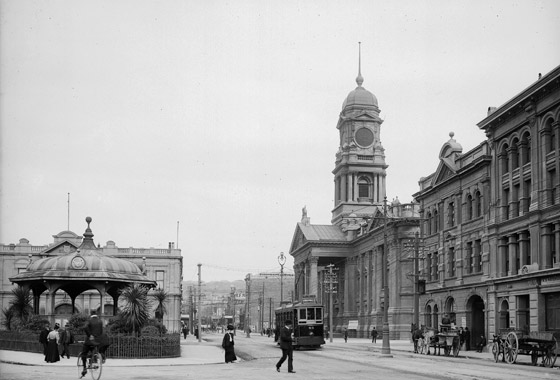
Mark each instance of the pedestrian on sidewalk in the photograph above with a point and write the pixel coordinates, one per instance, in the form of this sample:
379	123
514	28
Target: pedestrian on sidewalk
467	339
185	331
481	344
227	345
374	335
52	345
345	335
43	338
66	339
286	339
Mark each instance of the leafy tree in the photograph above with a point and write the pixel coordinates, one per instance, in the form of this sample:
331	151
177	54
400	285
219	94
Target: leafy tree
160	297
77	322
136	308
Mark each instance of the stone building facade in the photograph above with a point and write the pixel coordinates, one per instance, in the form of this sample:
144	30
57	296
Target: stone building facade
491	221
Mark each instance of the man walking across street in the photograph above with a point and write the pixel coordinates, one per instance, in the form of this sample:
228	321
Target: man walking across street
66	339
286	340
374	335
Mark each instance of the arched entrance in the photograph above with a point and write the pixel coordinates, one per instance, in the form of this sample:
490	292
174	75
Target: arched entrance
475	319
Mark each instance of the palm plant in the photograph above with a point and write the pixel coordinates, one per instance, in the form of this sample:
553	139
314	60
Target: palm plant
160	297
8	316
21	303
136	307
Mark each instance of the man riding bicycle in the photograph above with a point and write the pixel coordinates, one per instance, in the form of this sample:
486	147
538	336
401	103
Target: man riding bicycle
94	337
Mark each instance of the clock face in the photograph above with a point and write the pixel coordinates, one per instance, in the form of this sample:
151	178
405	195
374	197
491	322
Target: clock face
78	262
364	137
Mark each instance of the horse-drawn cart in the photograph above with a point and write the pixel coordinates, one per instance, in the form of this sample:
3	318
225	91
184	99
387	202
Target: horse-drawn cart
510	343
449	340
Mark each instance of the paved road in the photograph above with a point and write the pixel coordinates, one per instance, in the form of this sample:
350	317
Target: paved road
358	359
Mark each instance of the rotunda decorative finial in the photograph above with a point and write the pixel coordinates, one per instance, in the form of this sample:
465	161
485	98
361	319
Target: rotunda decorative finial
451	134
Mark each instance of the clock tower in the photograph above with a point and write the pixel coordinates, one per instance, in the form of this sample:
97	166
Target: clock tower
360	169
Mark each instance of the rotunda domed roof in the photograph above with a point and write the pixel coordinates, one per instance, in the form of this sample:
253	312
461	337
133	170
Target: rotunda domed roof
87	262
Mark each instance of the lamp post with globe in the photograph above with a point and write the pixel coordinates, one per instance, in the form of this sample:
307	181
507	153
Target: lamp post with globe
281	261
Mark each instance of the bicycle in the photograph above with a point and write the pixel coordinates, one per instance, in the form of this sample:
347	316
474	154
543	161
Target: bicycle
94	363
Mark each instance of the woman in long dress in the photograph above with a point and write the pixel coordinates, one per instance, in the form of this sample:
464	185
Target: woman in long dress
52	345
227	344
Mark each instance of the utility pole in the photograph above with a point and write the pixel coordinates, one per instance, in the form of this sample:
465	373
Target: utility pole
247	305
416	275
331	291
199	305
386	347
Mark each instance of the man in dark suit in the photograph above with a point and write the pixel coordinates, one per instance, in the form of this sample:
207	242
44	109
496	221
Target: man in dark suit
43	338
94	337
286	340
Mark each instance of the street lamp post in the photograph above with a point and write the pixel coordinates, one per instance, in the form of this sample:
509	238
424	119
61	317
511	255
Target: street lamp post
281	261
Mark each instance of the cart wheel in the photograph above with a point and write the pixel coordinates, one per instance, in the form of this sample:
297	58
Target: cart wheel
535	357
549	356
496	351
511	347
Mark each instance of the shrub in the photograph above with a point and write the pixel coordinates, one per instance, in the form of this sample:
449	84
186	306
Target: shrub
35	324
149	331
77	323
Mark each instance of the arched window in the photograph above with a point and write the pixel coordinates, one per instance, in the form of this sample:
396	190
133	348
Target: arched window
477	204
525	148
364	188
428	316
504	164
469	207
514	154
429	223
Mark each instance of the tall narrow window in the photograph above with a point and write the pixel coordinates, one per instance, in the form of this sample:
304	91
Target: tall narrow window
469	257
160	279
436	221
451	259
451	214
478	204
429	266
505	204
478	256
469	207
429	223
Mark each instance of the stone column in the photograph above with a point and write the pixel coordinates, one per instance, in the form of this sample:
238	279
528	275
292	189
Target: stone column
546	252
512	251
502	252
523	248
313	285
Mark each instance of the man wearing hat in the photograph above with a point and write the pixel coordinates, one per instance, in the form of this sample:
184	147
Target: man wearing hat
94	337
286	340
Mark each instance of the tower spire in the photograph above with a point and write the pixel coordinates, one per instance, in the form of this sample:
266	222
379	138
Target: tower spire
359	78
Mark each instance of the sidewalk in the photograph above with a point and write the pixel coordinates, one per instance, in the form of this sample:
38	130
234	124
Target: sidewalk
192	353
208	352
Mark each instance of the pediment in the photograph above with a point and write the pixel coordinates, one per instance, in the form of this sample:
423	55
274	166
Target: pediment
443	173
61	248
298	240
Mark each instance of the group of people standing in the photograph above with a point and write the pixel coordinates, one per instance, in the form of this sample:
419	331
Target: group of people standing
56	342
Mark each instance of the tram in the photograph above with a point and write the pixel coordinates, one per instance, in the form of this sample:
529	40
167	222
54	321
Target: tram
307	320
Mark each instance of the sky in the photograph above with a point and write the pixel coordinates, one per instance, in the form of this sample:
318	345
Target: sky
211	124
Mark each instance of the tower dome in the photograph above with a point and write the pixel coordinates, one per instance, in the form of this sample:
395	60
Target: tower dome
359	98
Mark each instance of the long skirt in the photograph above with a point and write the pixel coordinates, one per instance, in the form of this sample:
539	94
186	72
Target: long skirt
230	355
52	352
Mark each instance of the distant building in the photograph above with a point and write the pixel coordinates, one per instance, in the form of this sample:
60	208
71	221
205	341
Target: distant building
161	265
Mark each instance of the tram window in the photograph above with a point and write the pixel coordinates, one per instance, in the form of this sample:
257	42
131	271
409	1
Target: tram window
302	314
310	313
318	313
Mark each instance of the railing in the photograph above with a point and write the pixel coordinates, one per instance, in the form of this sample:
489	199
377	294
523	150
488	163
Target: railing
122	346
